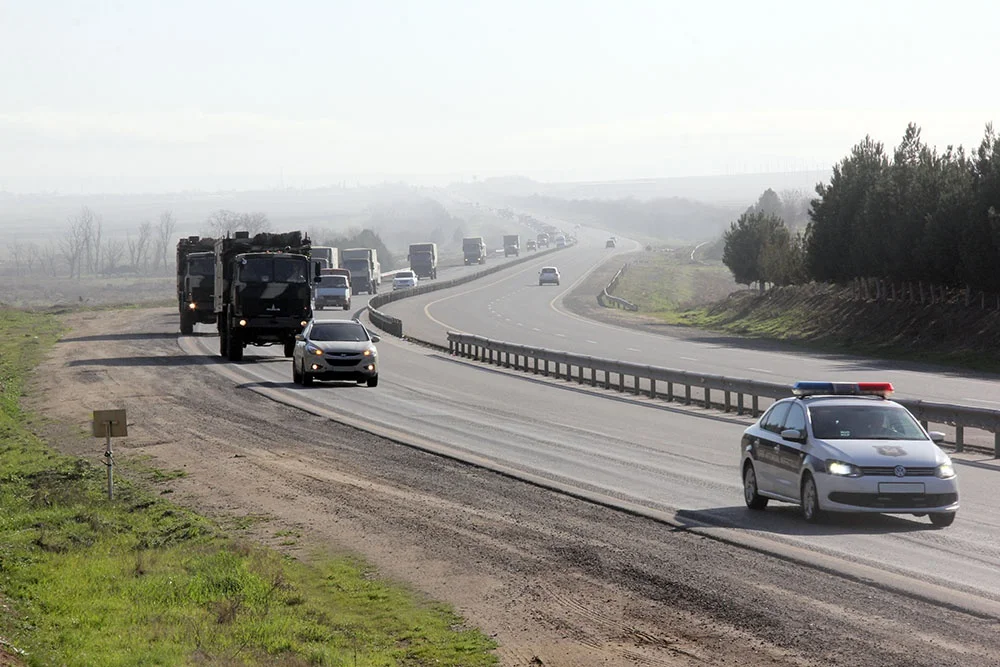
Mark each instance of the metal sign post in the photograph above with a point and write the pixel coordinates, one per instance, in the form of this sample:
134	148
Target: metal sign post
110	424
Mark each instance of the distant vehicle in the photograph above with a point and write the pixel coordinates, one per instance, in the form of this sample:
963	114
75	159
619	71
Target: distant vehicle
531	245
333	290
549	275
511	245
327	257
366	272
474	250
335	350
404	279
610	243
195	282
424	259
543	240
560	241
844	447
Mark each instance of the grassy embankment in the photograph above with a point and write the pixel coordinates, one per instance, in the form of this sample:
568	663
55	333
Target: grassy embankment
139	581
675	290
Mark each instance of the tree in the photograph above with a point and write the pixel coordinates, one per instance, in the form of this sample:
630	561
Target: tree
74	243
756	245
165	232
114	250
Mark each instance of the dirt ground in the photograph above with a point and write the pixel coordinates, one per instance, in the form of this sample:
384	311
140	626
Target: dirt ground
554	580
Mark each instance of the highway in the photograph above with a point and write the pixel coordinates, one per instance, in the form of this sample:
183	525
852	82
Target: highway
658	457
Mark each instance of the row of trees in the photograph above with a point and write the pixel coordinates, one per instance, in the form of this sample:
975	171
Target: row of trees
917	215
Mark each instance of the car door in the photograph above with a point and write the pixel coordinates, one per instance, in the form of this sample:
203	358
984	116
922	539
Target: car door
766	447
790	453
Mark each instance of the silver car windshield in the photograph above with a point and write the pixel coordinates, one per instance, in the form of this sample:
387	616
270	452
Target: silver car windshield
347	331
864	422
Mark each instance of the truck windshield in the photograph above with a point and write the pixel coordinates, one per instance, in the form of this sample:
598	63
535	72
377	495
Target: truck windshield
273	270
333	281
201	266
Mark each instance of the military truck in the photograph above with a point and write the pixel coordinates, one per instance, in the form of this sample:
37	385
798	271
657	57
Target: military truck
366	272
511	245
543	240
195	282
424	259
474	250
327	257
263	290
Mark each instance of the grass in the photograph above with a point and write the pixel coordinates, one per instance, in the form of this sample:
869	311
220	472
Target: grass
140	581
666	283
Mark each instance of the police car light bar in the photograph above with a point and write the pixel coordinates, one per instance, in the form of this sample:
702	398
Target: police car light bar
883	389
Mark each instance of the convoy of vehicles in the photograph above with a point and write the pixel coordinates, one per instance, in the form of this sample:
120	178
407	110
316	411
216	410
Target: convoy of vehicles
341	350
474	250
195	282
366	272
511	245
423	258
332	290
844	447
263	290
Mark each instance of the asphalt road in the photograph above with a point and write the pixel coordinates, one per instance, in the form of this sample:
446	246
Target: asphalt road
654	455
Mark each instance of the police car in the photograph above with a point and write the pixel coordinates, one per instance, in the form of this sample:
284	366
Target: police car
844	447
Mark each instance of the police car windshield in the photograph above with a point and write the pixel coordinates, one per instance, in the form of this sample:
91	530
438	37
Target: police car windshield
348	331
864	422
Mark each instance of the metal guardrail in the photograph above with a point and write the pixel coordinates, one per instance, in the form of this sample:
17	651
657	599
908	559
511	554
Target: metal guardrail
394	326
605	297
711	391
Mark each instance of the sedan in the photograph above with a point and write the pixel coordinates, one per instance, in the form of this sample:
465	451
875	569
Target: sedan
549	275
404	279
844	447
335	350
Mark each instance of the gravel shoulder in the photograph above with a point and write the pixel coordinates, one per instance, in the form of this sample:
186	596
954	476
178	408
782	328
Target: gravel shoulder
556	581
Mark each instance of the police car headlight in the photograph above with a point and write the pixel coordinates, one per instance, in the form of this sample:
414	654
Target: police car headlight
945	471
841	469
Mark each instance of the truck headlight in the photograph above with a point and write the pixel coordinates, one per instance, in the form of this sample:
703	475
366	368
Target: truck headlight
243	323
841	469
192	305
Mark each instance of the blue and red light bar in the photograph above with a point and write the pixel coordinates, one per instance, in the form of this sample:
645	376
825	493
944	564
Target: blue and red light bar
883	389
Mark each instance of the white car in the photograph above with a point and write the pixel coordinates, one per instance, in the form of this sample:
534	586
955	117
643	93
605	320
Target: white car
549	275
335	350
844	447
404	279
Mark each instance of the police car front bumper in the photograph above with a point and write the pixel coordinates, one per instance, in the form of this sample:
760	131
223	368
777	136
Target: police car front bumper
887	495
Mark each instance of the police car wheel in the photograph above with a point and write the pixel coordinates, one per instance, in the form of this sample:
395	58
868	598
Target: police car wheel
942	519
754	500
811	511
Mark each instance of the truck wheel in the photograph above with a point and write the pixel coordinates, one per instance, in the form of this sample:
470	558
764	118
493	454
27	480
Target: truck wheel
187	324
289	347
375	288
234	348
347	306
434	275
223	348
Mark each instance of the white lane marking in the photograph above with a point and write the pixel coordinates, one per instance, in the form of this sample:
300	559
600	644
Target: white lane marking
981	400
633	349
535	329
592	342
519	324
760	370
561	335
689	359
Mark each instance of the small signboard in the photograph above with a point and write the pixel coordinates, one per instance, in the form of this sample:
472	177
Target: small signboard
113	418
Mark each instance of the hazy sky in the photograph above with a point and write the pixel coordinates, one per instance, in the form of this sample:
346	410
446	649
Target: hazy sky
161	96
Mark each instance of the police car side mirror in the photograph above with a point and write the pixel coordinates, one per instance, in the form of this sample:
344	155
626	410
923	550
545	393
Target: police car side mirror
937	437
793	434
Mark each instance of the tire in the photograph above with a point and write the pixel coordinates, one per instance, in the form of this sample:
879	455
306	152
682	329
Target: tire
347	306
187	324
222	341
942	519
307	379
296	375
373	382
289	348
751	497
234	347
374	289
811	510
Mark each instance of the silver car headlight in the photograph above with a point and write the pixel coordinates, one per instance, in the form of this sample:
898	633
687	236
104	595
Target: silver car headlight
945	471
312	349
841	469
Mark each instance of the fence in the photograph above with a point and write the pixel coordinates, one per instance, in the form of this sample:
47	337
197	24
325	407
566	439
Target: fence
604	297
711	391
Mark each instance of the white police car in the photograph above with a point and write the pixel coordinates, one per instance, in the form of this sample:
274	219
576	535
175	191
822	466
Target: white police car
843	447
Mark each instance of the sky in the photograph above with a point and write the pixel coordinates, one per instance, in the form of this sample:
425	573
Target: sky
150	96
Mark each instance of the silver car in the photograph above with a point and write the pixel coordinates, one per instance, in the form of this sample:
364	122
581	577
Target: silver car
844	447
335	350
549	275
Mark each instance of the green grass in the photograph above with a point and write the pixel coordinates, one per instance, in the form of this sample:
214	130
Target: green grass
140	581
665	283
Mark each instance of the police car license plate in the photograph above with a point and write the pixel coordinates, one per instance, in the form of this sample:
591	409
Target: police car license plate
900	487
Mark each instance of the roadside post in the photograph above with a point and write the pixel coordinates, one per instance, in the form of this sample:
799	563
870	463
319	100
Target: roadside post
109	424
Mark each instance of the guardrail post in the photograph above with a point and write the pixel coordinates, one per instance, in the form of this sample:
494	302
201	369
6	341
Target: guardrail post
569	372
593	377
996	445
580	379
670	391
687	394
728	401
637	389
536	365
755	411
925	424
607	379
546	372
451	347
959	438
708	398
652	387
739	403
506	359
621	381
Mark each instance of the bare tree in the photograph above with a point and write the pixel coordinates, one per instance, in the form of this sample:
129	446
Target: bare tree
98	232
50	258
31	256
165	232
114	250
222	222
253	222
84	224
73	246
16	252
